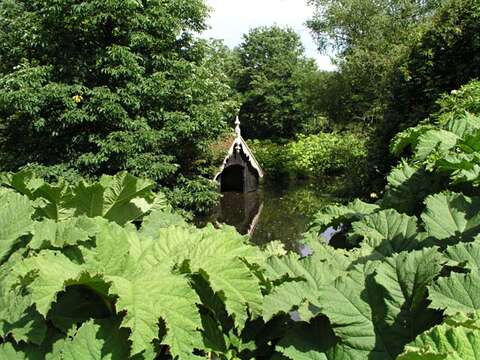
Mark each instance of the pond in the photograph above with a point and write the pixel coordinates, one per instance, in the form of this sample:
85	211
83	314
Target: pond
274	212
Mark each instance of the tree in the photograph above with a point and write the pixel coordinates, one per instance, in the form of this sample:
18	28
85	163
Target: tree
368	37
446	57
102	86
271	77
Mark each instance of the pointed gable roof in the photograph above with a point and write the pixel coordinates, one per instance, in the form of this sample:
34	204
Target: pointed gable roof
239	145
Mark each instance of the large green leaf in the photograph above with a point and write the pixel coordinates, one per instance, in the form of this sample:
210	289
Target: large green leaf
55	201
50	273
451	216
435	141
309	341
79	303
406	138
463	168
58	234
374	309
346	303
336	215
160	219
115	250
378	307
305	277
15	220
296	280
217	255
120	198
7	351
405	277
470	143
465	254
99	339
30	327
407	187
154	295
23	182
458	338
462	126
456	293
387	232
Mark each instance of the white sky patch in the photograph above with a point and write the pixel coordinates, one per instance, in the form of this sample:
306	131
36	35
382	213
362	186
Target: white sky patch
230	19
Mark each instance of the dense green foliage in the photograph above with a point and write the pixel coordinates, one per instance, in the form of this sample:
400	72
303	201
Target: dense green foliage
444	58
412	263
107	269
369	37
271	77
395	58
399	278
78	280
100	87
313	156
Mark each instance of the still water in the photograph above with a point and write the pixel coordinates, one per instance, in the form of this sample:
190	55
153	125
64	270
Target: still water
274	212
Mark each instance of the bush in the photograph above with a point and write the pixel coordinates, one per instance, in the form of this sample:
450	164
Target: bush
272	157
458	102
197	196
326	154
313	156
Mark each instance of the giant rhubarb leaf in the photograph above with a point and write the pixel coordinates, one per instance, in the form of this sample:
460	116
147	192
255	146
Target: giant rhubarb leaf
456	293
407	187
458	338
336	215
15	220
99	339
451	216
154	295
387	232
465	254
440	141
301	279
374	310
120	198
219	257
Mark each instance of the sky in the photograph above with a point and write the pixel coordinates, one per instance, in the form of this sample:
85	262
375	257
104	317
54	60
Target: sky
230	19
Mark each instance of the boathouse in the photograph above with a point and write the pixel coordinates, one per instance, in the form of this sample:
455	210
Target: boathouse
240	171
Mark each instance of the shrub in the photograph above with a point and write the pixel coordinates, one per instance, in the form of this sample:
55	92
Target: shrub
326	154
454	105
313	156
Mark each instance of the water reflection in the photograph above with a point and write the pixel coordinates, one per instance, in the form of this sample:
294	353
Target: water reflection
274	212
241	210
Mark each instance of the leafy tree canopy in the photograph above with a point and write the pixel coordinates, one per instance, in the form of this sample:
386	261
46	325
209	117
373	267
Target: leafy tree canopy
368	37
445	58
102	86
271	77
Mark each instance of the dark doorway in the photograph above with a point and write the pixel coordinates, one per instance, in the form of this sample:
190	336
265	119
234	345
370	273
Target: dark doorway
233	179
